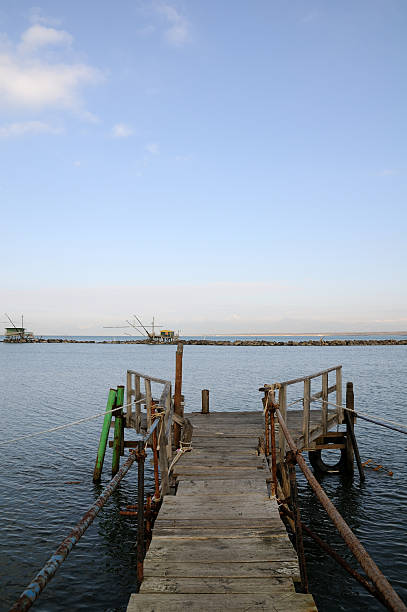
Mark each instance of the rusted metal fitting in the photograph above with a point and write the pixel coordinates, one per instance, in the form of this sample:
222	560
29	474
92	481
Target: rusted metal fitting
140	455
291	457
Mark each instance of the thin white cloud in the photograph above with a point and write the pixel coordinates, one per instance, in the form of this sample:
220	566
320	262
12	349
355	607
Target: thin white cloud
13	130
153	148
38	36
388	172
178	32
36	15
121	130
27	81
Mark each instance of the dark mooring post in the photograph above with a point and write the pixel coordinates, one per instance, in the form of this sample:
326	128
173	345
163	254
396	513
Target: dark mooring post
140	457
205	401
291	461
352	449
178	408
349	420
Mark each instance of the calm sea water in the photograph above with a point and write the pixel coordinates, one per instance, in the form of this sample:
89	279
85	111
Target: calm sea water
48	385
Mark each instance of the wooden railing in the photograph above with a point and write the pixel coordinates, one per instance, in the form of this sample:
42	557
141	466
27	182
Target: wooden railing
137	397
139	394
307	398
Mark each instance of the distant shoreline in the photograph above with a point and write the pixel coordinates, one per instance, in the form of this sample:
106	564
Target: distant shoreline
307	335
201	342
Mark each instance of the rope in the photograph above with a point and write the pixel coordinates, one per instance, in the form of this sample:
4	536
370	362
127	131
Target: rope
364	415
184	448
71	424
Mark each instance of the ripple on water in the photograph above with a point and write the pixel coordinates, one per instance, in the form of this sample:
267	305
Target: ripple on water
52	384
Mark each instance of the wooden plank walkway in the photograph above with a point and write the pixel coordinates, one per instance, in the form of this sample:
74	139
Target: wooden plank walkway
219	543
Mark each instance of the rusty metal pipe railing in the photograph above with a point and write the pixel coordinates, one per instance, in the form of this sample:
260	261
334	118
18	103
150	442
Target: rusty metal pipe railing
390	597
291	460
140	456
40	581
332	553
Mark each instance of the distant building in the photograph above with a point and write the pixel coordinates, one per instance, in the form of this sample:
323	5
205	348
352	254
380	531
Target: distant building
17	333
167	335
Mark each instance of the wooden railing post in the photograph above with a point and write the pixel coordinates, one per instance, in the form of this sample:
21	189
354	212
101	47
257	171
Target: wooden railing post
129	398
166	420
149	401
282	402
339	393
324	397
306	416
178	408
163	458
137	398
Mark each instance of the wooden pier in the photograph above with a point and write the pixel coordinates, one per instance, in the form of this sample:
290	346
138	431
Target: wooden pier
219	543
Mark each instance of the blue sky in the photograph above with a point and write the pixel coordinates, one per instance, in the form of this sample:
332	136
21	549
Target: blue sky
226	166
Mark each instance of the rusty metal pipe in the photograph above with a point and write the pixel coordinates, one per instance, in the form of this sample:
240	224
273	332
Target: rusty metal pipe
140	456
266	432
332	553
40	581
157	495
391	599
291	460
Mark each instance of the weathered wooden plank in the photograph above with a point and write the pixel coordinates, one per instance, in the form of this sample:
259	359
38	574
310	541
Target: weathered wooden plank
230	487
174	602
219	550
217	511
219	543
217	585
260	476
201	522
275	529
268	569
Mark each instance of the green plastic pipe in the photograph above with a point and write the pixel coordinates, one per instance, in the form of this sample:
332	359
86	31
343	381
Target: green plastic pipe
118	432
111	401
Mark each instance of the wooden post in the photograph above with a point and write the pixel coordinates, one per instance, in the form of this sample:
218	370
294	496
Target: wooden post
350	421
163	458
118	440
282	404
137	398
205	401
166	419
129	396
111	400
306	415
178	409
324	396
149	401
339	393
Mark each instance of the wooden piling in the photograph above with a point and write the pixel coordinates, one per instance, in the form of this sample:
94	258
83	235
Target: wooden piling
350	420
111	400
178	408
205	401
